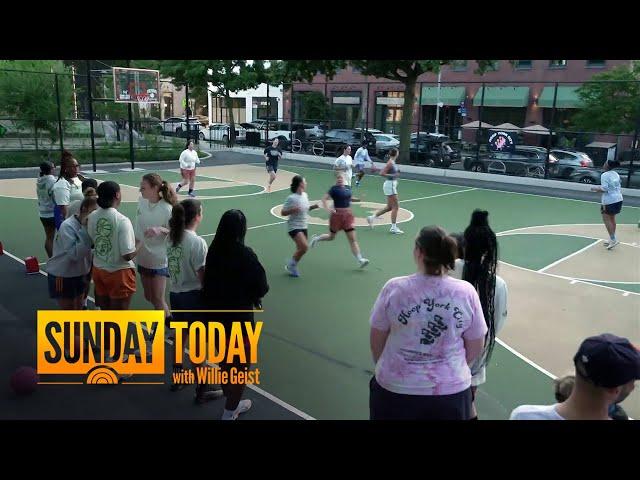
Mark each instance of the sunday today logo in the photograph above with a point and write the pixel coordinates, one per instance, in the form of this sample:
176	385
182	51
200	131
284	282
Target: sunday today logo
100	345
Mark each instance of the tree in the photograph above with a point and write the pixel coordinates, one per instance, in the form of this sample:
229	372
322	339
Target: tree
29	94
225	76
611	101
407	73
315	106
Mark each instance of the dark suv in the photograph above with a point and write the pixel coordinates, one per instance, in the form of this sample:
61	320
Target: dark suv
335	140
430	151
523	161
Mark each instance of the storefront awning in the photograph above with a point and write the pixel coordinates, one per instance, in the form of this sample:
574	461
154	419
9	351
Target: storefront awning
502	97
448	95
567	97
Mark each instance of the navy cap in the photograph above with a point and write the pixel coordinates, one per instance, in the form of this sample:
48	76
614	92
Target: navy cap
608	360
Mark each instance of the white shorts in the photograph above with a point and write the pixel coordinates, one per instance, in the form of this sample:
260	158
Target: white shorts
390	187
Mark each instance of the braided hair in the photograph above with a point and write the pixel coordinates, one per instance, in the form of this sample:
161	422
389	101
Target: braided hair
481	261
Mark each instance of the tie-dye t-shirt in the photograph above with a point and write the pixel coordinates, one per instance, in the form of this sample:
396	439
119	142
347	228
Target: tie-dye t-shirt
427	318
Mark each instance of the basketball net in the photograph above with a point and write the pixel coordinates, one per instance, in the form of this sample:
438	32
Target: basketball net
143	104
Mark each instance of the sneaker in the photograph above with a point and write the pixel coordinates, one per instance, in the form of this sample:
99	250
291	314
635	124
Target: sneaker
370	220
178	187
606	242
364	262
242	407
612	244
206	393
396	231
192	194
291	268
357	183
314	240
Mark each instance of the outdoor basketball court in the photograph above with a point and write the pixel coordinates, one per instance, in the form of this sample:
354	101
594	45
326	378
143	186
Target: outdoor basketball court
314	351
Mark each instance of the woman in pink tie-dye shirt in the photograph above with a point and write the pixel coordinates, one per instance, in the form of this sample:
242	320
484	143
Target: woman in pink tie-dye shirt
426	329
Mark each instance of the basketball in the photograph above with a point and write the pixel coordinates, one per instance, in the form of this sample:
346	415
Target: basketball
24	381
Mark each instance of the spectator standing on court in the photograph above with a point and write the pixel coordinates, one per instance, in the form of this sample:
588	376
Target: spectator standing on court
46	205
611	203
426	329
234	279
477	264
606	369
67	188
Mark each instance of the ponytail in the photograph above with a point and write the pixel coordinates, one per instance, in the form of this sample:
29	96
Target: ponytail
182	216
167	193
90	192
481	263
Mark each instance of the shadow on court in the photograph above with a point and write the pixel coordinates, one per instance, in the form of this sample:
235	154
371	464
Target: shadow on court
22	296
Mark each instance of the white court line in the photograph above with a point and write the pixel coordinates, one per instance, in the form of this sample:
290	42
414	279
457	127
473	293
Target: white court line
250	228
507	234
477	188
525	359
542	270
438	195
569	279
262	392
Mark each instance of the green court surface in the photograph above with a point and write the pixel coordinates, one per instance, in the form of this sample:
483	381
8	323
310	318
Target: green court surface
314	351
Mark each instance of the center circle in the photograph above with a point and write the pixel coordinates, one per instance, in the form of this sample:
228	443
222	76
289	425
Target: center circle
360	211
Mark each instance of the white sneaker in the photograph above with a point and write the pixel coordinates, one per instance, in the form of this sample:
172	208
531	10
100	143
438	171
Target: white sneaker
612	244
364	262
396	231
314	240
370	220
242	407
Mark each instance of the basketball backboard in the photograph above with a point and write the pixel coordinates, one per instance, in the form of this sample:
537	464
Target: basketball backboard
135	85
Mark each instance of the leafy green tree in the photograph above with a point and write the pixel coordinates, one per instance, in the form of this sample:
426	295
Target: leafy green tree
29	94
225	76
315	106
611	101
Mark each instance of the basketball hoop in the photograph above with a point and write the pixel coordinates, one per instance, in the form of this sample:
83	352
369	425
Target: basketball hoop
143	102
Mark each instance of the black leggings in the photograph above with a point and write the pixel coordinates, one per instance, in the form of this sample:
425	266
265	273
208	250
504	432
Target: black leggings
386	405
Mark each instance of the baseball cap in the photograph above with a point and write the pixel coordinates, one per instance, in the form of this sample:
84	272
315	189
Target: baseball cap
608	360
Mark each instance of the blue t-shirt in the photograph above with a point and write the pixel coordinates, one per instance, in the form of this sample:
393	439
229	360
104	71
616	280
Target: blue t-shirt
341	196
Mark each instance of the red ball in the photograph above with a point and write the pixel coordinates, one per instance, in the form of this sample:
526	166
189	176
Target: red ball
24	381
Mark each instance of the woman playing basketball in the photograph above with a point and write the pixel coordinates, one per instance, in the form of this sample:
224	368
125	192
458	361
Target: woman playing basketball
341	218
296	207
188	161
390	188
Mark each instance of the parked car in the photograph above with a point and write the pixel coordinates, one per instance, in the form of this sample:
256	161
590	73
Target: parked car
220	132
386	140
523	161
591	176
178	125
373	131
565	162
338	138
430	150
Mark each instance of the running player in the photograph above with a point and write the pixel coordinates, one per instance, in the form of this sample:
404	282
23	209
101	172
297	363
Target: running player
343	164
341	218
188	161
390	188
272	155
46	205
610	187
361	156
296	207
151	228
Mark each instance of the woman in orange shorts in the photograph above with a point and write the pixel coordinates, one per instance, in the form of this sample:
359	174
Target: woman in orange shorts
341	218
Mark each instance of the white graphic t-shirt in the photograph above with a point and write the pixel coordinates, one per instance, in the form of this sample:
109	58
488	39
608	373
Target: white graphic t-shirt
153	253
185	259
113	237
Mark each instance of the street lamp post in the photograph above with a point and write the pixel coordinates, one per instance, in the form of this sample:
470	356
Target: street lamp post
438	104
